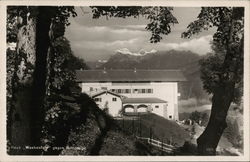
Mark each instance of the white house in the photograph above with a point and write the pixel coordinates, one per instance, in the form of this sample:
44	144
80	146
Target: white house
133	91
110	101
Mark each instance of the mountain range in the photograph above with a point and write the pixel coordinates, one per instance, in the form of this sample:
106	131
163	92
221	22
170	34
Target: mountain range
158	60
186	61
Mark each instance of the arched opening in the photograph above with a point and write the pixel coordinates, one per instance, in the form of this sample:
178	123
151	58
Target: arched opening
142	108
128	108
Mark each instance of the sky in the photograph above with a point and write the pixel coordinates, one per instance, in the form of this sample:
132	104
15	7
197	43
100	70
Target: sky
98	39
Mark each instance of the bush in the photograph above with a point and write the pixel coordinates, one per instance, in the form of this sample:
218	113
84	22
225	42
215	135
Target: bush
82	139
187	149
232	133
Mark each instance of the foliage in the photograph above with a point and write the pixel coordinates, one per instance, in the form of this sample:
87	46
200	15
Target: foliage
76	63
82	137
160	18
60	71
10	62
223	77
48	25
10	71
199	117
187	149
13	21
216	68
61	80
116	140
228	40
18	15
60	75
195	116
232	133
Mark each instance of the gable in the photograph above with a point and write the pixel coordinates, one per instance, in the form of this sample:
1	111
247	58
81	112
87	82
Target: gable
106	92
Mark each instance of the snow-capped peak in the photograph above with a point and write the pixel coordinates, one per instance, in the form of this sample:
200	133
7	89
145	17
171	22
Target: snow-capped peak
141	52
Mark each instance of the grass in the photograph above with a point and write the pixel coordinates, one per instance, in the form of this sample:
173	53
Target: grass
157	127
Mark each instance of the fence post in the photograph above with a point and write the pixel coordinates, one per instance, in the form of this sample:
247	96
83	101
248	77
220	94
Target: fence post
137	126
133	126
162	146
140	126
150	134
123	124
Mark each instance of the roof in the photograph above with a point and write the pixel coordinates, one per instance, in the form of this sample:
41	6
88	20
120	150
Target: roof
102	92
129	75
143	100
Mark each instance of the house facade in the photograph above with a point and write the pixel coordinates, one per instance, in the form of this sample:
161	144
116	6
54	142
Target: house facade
110	101
136	91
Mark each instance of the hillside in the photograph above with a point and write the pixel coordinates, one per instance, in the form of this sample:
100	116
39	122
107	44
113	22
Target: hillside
157	127
183	60
165	129
93	132
232	136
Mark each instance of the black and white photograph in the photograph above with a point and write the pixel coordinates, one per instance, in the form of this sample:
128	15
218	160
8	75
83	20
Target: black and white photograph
121	80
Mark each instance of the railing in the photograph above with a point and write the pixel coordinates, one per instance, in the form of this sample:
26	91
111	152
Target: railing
165	147
133	127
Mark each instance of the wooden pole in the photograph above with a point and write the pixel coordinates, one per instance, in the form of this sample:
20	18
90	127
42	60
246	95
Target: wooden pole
133	126
150	134
123	124
162	146
140	126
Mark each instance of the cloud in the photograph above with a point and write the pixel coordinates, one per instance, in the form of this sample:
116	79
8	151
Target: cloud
76	32
200	46
131	27
100	45
93	42
142	52
197	45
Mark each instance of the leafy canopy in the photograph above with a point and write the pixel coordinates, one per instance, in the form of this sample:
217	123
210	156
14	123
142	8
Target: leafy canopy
19	15
160	18
225	64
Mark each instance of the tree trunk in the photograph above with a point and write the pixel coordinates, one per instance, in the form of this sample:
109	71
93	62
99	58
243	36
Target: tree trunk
27	108
224	94
209	139
40	74
18	124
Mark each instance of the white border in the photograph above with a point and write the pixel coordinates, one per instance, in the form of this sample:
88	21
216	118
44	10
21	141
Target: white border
176	3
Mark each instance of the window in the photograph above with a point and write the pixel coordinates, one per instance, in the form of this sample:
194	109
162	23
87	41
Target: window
149	90
170	117
127	91
156	106
135	90
104	88
91	89
113	99
98	99
119	91
143	90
